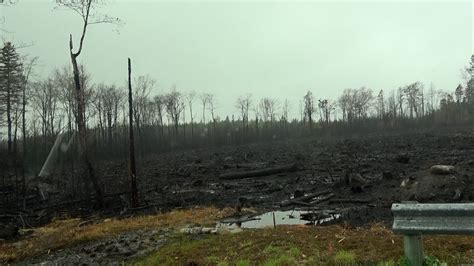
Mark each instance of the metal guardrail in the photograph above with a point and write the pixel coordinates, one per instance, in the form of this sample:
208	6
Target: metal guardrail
412	220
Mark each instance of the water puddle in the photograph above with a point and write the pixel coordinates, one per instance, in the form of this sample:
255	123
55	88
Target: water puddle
295	217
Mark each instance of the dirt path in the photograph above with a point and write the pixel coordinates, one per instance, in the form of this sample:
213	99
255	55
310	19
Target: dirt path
111	251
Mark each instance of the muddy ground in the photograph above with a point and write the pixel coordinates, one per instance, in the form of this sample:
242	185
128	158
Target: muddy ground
115	250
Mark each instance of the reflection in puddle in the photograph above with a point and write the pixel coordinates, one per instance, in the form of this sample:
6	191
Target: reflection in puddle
284	218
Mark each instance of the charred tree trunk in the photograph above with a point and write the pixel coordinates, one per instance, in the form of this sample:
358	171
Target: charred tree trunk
9	121
132	169
23	129
81	125
256	126
214	122
15	132
109	129
15	158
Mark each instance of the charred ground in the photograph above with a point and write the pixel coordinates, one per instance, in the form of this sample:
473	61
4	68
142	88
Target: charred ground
192	177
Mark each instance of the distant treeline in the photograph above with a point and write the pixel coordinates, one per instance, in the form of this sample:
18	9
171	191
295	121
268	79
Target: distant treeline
168	121
35	112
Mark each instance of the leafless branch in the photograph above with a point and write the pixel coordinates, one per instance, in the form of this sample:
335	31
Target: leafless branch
87	10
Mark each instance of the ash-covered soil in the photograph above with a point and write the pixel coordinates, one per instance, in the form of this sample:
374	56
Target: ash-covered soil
394	168
369	172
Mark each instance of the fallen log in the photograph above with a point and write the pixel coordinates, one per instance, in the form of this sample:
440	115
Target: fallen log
350	200
302	203
321	199
260	172
305	198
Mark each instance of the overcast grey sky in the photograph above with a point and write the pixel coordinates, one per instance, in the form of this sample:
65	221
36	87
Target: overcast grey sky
277	49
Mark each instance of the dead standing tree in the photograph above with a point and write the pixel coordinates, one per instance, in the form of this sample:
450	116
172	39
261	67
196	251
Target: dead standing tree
174	106
212	109
190	99
159	101
85	10
27	72
132	169
326	108
108	99
413	95
309	108
143	86
243	105
204	97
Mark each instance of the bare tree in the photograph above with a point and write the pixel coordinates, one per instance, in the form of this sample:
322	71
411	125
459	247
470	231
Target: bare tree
413	95
363	102
268	108
430	100
400	99
149	114
44	98
174	107
381	105
243	105
458	93
190	97
285	110
64	80
107	102
392	105
345	103
309	108
204	97
326	109
28	66
257	112
211	100
98	102
143	86
112	103
85	9
160	105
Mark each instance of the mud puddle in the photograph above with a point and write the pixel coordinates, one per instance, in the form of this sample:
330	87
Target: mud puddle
293	217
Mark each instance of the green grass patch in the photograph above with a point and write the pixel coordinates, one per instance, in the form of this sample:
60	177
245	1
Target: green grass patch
344	257
290	245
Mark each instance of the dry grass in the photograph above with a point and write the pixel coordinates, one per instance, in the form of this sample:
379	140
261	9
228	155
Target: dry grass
306	245
283	245
62	233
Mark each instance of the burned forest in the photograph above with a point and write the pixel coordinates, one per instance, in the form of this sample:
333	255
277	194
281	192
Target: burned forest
163	133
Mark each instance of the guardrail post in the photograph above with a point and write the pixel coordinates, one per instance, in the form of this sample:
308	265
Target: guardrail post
413	248
414	220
